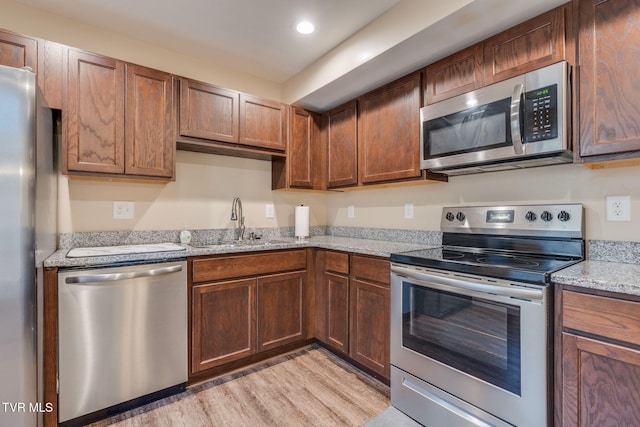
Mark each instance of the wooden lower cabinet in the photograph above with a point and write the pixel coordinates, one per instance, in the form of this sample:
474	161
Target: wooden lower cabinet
245	304
223	322
353	307
599	376
281	300
369	325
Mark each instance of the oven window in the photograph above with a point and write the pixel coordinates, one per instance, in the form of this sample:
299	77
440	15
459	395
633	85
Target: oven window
476	336
475	129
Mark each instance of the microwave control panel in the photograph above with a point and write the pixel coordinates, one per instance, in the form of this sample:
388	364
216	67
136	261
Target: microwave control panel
541	114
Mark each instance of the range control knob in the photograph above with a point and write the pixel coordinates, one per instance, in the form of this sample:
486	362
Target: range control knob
450	216
531	216
460	216
546	216
564	216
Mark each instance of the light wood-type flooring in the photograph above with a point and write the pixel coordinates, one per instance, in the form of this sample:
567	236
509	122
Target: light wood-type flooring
309	387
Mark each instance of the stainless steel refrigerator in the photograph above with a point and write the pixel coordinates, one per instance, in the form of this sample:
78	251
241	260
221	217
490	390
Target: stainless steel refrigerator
27	236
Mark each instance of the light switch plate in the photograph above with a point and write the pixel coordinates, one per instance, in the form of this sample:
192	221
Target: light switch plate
351	211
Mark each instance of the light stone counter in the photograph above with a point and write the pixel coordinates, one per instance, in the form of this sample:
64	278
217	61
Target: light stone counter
348	244
601	275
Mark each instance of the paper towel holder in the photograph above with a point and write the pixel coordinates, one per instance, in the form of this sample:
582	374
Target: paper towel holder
301	223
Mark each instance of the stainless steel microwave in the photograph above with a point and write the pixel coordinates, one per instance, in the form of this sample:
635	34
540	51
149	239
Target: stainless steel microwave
521	122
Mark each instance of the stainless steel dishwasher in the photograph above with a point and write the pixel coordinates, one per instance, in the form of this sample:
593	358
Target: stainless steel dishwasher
122	336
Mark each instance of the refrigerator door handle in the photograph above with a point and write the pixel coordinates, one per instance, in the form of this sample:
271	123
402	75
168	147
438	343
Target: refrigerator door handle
113	277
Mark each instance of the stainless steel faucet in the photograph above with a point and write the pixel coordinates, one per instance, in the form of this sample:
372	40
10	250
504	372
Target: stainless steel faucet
237	216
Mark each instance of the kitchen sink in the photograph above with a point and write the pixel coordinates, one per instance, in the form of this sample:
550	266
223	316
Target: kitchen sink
239	243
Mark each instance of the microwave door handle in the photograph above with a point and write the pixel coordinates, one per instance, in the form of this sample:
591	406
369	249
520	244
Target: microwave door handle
516	136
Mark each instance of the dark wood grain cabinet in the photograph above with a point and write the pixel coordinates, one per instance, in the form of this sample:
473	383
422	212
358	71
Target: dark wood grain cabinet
245	304
609	52
208	112
303	167
332	298
540	41
341	127
600	363
263	123
18	51
454	75
369	323
389	131
117	118
533	44
223	322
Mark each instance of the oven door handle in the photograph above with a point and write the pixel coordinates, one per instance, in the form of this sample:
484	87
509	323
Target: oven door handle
508	291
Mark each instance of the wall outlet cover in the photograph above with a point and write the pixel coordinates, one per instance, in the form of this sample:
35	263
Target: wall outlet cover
408	210
618	208
351	211
123	210
269	211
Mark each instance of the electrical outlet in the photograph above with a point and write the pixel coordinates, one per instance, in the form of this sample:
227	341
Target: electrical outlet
351	211
408	210
269	211
123	210
618	208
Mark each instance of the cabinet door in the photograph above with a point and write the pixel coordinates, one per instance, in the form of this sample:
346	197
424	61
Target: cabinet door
150	137
280	309
300	153
51	64
93	114
263	123
208	112
369	334
342	143
600	383
337	309
18	51
389	131
533	44
609	49
457	74
223	323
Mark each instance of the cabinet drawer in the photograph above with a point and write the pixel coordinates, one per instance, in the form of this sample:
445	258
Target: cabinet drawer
370	268
337	262
226	267
607	317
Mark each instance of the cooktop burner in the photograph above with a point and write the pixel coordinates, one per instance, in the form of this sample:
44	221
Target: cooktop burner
521	243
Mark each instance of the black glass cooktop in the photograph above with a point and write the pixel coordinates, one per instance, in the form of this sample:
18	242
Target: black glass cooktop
484	262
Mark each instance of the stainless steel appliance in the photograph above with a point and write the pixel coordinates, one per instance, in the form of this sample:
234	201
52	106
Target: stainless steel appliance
28	208
122	336
471	321
521	122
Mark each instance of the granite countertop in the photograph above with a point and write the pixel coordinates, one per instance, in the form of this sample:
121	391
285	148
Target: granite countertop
608	276
347	244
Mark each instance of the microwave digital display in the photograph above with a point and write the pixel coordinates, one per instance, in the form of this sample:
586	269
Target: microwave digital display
541	114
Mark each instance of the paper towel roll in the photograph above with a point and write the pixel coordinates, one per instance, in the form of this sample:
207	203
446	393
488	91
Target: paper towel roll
302	221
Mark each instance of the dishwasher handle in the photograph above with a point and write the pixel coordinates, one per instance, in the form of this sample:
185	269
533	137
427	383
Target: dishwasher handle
113	277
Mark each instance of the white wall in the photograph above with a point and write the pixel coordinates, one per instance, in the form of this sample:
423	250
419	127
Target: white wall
554	184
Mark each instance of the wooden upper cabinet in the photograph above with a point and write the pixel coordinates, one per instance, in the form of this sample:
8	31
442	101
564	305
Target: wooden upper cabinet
263	123
533	44
342	145
301	153
51	65
98	138
149	138
609	52
18	51
389	131
459	73
93	114
208	112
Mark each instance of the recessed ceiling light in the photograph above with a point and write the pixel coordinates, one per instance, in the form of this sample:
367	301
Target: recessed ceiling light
305	27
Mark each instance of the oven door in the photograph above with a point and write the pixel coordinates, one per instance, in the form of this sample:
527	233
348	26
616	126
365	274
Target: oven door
470	339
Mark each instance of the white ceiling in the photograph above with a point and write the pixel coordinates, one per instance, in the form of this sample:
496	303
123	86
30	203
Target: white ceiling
254	36
258	36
